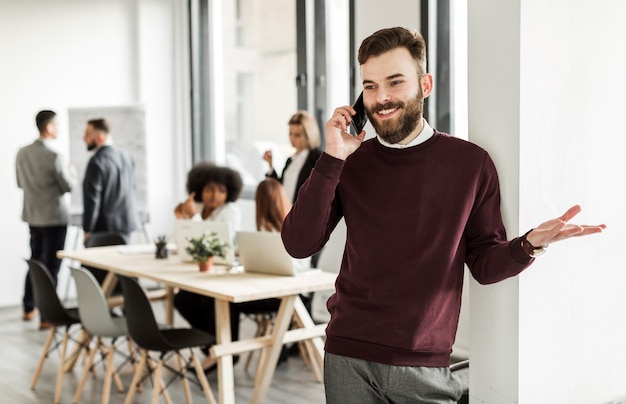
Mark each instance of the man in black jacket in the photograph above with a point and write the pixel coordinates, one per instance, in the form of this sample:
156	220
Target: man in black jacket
109	185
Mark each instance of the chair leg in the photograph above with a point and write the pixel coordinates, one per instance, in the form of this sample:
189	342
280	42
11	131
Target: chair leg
183	370
260	326
316	361
114	373
44	355
264	328
158	382
208	393
106	388
308	347
136	377
156	389
267	330
73	357
166	394
83	379
131	353
61	371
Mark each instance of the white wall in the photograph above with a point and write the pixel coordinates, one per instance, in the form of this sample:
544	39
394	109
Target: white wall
493	91
546	86
572	303
71	53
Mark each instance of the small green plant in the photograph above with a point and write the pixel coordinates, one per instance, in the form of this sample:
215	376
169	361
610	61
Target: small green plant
207	245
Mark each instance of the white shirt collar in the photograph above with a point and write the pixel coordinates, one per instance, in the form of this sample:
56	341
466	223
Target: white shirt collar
50	143
426	133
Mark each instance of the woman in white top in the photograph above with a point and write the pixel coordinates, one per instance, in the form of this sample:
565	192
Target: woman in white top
272	206
213	191
304	135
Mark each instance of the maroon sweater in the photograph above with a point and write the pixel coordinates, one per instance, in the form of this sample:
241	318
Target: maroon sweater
414	216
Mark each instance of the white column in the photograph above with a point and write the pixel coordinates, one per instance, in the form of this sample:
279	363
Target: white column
546	88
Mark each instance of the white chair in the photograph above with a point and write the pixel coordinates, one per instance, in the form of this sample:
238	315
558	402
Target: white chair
96	318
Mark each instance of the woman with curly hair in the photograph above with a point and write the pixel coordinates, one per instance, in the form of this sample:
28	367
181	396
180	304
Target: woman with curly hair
272	206
213	191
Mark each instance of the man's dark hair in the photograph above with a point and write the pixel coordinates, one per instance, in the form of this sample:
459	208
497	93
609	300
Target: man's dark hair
206	172
43	118
388	39
99	124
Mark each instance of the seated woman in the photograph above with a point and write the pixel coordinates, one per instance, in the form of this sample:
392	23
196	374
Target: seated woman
213	191
272	206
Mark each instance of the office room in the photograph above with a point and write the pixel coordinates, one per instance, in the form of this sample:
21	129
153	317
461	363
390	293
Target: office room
536	84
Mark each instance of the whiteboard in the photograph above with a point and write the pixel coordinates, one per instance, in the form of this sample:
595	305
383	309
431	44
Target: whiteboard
127	131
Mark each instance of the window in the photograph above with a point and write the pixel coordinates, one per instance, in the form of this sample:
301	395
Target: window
246	60
256	62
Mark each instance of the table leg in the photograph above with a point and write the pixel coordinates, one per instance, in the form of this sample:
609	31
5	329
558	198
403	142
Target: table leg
268	364
108	284
303	316
225	377
169	306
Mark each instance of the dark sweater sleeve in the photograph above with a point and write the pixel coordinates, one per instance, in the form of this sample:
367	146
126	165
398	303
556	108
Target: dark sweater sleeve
490	257
317	210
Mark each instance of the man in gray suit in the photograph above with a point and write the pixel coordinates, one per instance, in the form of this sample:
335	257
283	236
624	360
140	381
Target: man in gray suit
109	185
45	179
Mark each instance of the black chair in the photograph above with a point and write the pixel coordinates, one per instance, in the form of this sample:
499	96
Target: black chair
105	239
147	334
460	371
53	311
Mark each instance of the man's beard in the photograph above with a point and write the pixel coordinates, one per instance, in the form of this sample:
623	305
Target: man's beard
394	130
91	146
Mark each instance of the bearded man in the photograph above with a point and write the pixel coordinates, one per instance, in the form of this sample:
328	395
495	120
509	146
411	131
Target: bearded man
418	205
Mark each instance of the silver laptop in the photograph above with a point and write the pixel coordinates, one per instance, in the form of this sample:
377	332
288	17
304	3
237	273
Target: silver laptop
192	228
264	253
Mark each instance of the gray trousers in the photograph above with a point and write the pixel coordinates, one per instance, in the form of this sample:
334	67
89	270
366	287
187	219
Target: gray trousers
349	380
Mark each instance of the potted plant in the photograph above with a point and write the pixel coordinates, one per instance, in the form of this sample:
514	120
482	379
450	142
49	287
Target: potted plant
204	247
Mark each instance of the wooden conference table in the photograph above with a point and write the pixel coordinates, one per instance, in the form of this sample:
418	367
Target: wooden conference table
225	286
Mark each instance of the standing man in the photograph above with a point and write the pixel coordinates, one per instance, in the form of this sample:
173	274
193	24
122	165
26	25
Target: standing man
109	185
418	205
45	179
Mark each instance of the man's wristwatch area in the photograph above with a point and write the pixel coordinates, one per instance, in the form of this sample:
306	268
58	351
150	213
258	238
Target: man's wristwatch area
530	249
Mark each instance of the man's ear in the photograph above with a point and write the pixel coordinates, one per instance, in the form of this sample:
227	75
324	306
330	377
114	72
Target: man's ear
427	84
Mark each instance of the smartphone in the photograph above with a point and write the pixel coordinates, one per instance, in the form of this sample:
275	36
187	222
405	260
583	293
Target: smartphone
360	119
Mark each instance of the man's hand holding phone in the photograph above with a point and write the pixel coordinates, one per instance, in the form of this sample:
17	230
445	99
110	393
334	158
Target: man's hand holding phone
339	142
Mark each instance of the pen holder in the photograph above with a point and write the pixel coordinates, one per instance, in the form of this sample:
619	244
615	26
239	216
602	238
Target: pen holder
161	247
